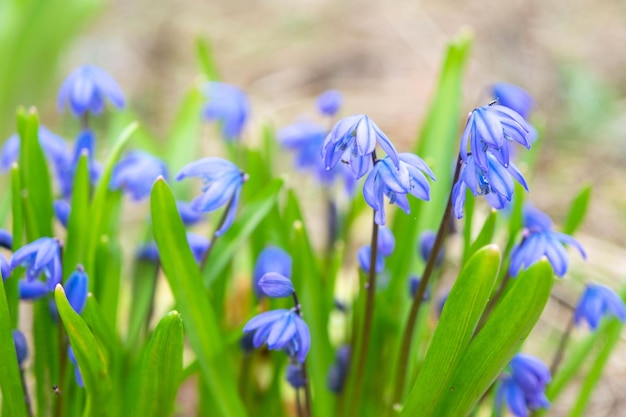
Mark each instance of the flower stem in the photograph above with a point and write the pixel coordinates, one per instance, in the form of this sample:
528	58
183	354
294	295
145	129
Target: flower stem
403	356
299	403
558	356
84	121
492	303
205	255
305	374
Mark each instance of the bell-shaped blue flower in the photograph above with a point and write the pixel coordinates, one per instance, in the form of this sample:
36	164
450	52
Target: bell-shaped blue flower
136	173
295	375
524	388
489	131
353	140
87	88
76	288
188	214
281	330
386	241
276	285
338	372
85	144
396	183
40	257
271	259
222	186
364	256
21	346
228	106
329	102
513	97
596	302
539	242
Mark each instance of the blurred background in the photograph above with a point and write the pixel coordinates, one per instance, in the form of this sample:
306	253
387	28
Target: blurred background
385	57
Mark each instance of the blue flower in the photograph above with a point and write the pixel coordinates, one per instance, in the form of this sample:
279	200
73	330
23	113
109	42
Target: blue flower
386	242
396	183
86	89
329	102
271	259
282	330
513	97
197	243
6	240
5	267
40	257
62	210
276	285
353	140
32	290
227	105
495	183
414	283
136	174
364	256
426	243
539	241
339	370
21	346
85	143
524	388
188	214
295	376
222	186
77	374
76	288
596	302
489	131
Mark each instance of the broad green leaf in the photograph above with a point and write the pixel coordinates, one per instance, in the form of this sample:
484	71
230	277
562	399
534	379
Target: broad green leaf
78	223
485	235
577	210
89	356
249	219
438	146
162	366
102	328
144	280
186	283
109	271
17	214
459	318
206	59
10	381
497	342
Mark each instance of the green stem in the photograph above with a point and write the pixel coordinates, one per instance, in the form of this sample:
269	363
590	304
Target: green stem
492	303
403	356
305	374
558	356
205	255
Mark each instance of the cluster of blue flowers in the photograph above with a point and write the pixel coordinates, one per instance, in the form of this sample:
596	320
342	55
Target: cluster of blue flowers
523	389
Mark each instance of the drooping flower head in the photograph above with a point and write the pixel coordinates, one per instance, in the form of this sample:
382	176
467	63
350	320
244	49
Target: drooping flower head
295	375
271	260
228	106
596	302
281	330
329	102
396	182
339	370
222	186
276	285
426	243
40	257
524	388
353	140
87	88
136	173
539	241
513	97
386	242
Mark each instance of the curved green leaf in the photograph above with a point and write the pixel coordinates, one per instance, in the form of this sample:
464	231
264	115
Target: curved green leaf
185	281
162	366
89	356
459	318
577	210
78	223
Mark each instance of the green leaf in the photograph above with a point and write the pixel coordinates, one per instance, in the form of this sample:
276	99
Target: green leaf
162	366
206	59
497	342
485	235
102	328
459	318
17	213
78	223
577	210
89	356
185	281
230	243
10	380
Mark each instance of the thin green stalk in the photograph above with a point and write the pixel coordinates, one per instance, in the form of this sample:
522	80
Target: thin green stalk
558	356
205	255
442	233
305	375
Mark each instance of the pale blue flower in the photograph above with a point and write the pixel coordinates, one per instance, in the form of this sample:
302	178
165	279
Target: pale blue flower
222	186
85	143
276	285
271	259
386	241
198	245
40	257
295	376
426	243
364	256
62	210
76	289
596	302
228	106
513	97
329	102
188	214
524	388
87	88
136	173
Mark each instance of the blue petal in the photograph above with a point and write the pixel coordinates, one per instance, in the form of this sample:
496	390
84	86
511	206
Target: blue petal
263	319
230	215
386	242
282	332
31	290
276	285
76	290
304	337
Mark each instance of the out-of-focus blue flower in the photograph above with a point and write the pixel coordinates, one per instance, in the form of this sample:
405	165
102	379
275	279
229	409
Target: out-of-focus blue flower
77	374
246	342
6	239
86	89
414	283
513	97
540	241
197	243
5	267
32	290
295	376
386	241
396	182
271	259
441	303
76	288
339	370
136	174
426	243
524	388
85	143
353	140
187	213
21	346
364	257
489	131
329	102
281	329
227	105
306	139
148	252
276	285
596	302
222	185
495	184
40	257
62	210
